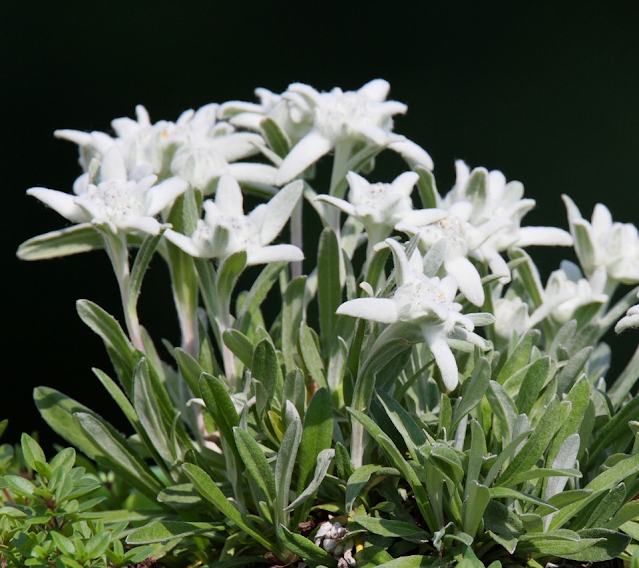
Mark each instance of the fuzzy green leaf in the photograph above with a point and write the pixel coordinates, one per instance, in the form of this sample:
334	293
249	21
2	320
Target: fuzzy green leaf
329	291
163	531
400	529
305	548
65	242
292	317
256	463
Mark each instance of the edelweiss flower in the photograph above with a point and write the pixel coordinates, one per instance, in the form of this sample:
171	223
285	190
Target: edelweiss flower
422	307
379	206
114	200
317	121
604	243
205	150
481	218
225	229
462	240
335	539
568	282
631	319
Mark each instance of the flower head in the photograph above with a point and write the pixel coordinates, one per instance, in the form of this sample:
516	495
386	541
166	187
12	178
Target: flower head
226	230
316	122
110	198
379	206
424	306
604	243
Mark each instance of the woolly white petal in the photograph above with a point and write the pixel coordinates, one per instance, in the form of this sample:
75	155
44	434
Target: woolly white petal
376	90
420	218
306	152
113	166
404	183
345	206
467	277
228	196
381	310
165	193
412	153
544	236
253	173
279	209
62	203
445	361
274	253
238	145
183	242
148	225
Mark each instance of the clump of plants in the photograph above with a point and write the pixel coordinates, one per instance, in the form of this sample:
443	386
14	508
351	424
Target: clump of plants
402	390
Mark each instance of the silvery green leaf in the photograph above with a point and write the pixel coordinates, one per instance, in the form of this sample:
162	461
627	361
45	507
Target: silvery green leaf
309	351
565	458
181	496
584	245
607	507
116	342
329	293
519	357
115	454
227	274
503	456
427	188
613	432
324	459
65	242
554	417
503	407
543	508
292	317
529	276
266	370
212	493
163	531
256	463
240	345
284	465
357	481
532	384
475	454
399	529
277	138
305	548
610	545
472	391
572	369
474	506
562	338
258	292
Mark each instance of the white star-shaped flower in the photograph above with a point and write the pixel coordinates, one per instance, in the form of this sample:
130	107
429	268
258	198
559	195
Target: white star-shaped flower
604	243
113	199
422	308
379	206
315	122
568	282
226	230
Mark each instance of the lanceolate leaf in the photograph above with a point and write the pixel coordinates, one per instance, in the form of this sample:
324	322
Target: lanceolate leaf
286	459
116	455
384	527
256	464
292	316
305	548
163	531
72	240
329	292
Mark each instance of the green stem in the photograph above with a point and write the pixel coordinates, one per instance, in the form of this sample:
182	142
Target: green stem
296	236
624	383
116	247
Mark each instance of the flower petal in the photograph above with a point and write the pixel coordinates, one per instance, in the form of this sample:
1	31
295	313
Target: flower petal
382	310
274	253
543	236
345	206
183	242
62	203
376	90
228	196
306	152
413	154
279	209
113	166
253	173
165	193
405	183
148	225
445	361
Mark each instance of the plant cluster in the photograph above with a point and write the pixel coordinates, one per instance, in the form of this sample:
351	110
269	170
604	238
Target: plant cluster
419	398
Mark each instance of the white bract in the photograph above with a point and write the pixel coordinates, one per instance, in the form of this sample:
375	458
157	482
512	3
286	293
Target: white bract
480	218
604	243
568	282
631	319
197	147
422	307
112	199
379	206
226	230
316	122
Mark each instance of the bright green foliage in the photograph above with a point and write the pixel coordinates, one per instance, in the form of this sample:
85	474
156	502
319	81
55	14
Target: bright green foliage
52	514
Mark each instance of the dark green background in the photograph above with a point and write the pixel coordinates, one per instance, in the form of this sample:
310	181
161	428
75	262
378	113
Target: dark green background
545	91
